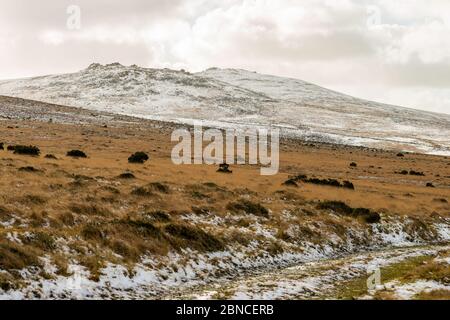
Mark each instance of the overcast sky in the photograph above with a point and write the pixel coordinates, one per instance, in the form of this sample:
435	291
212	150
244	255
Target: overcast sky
389	51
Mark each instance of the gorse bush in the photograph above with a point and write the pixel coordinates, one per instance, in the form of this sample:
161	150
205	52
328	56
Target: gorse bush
138	157
27	150
342	208
76	154
126	175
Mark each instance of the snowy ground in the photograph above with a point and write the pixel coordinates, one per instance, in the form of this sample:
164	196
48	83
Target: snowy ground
239	98
316	280
310	271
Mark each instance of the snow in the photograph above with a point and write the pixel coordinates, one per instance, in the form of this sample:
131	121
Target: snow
409	290
230	98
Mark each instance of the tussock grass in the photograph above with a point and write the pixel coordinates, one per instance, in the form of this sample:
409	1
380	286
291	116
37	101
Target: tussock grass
17	257
244	206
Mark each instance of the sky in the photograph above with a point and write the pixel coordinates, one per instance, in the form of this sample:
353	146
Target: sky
395	52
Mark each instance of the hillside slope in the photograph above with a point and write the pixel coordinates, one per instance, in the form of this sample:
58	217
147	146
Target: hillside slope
231	97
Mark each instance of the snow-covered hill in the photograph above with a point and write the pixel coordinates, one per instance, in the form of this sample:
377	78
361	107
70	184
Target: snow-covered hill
230	97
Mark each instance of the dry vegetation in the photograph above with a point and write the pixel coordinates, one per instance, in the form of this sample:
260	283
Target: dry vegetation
101	208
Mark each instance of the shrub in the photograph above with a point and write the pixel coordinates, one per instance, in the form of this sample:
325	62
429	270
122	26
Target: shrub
76	154
336	206
138	157
291	183
2	146
400	154
416	173
353	164
27	150
342	208
430	185
50	156
348	185
367	215
127	175
10	148
246	206
224	168
29	169
325	182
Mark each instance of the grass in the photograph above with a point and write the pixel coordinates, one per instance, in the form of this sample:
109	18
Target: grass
183	236
407	271
357	287
248	207
101	214
17	257
434	295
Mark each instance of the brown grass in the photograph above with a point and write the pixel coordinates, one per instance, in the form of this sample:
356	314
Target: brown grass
83	202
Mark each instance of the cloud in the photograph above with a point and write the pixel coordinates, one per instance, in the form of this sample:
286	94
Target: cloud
390	51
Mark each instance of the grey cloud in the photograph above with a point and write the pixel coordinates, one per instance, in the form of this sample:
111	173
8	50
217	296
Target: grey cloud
327	42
